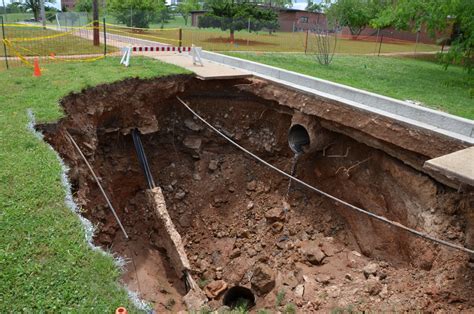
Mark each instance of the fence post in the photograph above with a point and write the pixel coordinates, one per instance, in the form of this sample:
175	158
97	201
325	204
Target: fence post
306	41
180	37
4	45
380	46
416	43
105	37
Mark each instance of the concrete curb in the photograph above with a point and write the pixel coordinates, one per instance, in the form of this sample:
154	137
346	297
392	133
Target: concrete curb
449	125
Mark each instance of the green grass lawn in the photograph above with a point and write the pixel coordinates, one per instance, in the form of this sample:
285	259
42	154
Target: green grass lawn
16	17
450	90
45	263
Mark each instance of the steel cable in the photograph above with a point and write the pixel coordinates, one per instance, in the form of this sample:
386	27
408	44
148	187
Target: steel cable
363	211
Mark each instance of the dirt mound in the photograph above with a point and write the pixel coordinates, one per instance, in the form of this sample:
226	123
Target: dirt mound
239	227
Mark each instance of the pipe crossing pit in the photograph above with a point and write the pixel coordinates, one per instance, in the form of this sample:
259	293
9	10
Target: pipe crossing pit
240	232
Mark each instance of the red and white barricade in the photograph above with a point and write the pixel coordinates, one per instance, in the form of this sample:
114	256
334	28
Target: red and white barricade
162	48
194	52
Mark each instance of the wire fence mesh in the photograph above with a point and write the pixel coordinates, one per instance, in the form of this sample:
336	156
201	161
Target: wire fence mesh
69	36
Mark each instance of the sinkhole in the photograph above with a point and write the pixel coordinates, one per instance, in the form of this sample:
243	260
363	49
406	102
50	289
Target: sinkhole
243	235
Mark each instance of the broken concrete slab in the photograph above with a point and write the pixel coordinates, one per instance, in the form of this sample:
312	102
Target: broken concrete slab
458	165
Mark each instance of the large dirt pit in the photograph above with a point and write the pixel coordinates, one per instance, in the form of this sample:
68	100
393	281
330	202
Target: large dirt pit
241	225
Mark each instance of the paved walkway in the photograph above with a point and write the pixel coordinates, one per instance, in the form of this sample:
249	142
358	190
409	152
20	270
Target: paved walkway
209	71
458	165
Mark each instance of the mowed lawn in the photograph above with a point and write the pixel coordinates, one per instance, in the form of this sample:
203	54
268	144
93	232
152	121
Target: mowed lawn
45	263
450	90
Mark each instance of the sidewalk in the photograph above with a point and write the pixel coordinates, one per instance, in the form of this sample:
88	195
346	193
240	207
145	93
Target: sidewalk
209	70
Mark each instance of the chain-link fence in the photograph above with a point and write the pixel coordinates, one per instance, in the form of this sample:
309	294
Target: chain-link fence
69	35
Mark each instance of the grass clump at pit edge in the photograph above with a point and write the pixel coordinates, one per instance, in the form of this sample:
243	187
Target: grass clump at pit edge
45	263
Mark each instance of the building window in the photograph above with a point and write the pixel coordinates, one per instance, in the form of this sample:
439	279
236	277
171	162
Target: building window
304	19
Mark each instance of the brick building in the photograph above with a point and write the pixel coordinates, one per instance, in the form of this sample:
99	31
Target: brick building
68	4
295	20
291	20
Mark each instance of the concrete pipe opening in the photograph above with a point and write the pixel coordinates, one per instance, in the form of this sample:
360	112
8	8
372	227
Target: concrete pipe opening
298	138
239	297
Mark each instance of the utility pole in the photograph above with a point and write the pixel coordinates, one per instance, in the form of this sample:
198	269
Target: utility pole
43	14
95	18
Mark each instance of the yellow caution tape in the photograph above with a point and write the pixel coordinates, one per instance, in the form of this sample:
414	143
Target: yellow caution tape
18	54
25	60
62	34
78	60
149	29
41	26
142	35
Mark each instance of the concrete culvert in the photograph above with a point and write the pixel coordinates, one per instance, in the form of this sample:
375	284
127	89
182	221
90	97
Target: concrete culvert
239	296
298	137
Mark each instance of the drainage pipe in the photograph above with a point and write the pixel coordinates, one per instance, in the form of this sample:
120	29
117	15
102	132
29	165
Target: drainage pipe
306	134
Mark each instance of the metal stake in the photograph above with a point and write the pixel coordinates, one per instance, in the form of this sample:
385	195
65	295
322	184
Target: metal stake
4	44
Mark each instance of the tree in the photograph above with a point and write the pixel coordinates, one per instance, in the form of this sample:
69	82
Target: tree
14	7
232	16
34	6
314	7
163	15
355	14
136	13
437	16
83	6
185	7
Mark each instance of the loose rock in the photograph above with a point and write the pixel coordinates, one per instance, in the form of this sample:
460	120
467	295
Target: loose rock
275	214
263	279
299	291
370	269
373	286
314	255
323	279
215	288
192	142
213	165
190	124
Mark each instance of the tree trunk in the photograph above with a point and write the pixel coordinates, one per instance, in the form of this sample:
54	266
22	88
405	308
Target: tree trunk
231	36
355	31
185	17
95	17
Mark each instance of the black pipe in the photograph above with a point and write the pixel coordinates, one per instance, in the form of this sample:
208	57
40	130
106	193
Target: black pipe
142	158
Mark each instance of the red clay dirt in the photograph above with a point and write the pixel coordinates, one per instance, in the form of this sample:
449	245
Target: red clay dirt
238	225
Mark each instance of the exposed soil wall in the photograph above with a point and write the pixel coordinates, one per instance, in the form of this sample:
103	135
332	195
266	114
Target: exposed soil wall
238	226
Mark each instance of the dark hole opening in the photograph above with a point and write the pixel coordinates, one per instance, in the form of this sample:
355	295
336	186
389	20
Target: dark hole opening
239	297
298	137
